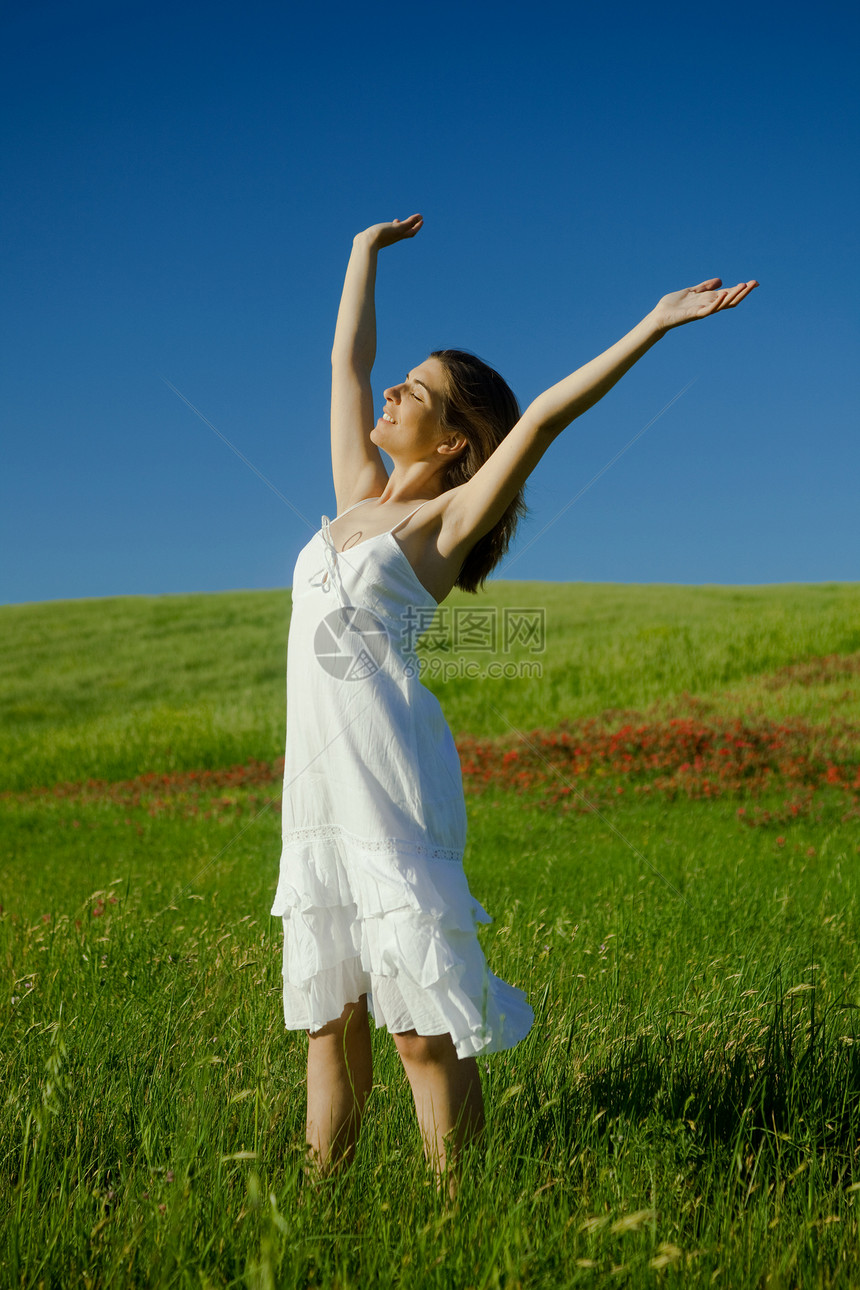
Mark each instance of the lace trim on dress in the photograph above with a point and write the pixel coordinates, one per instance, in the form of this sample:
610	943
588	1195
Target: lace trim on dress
390	846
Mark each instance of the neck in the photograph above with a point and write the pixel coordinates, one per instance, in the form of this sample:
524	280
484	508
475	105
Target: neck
412	481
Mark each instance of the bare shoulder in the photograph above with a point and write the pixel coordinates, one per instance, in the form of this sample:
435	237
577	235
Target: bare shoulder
430	545
435	522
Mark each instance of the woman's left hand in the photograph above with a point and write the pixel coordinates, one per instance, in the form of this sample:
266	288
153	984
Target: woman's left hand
708	297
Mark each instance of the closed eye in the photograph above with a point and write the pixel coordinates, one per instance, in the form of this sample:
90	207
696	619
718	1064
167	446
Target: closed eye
416	397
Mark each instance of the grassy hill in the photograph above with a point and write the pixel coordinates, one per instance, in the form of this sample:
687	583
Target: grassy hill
111	688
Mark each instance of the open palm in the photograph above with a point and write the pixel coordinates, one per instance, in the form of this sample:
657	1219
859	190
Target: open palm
395	230
708	297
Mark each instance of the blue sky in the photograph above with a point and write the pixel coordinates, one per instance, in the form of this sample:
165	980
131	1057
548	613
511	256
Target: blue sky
182	186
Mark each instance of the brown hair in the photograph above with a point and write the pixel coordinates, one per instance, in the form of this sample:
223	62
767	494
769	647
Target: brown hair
478	403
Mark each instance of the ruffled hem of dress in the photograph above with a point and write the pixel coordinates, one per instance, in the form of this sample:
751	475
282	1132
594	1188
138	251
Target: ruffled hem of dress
407	939
417	975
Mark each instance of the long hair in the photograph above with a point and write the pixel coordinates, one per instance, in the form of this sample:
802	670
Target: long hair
479	404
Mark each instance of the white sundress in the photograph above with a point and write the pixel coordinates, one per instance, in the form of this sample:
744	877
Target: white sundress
372	891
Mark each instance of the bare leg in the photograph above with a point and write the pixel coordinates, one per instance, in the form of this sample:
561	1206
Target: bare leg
448	1099
340	1075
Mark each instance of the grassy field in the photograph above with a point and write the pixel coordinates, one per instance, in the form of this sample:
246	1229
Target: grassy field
664	826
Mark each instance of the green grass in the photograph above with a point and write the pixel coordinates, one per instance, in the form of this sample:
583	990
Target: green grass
686	1107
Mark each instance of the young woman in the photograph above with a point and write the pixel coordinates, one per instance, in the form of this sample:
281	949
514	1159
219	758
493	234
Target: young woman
377	911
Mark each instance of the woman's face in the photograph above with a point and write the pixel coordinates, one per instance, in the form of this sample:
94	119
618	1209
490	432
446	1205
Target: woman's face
410	424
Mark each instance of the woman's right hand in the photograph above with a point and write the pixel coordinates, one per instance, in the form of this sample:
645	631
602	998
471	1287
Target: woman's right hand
379	235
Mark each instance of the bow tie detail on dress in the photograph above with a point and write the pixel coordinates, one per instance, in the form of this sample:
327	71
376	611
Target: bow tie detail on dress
333	577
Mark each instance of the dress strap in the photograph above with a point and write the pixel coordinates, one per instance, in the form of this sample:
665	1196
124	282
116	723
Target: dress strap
409	516
352	508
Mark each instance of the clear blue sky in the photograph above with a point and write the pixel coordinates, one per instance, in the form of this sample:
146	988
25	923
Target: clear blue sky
182	183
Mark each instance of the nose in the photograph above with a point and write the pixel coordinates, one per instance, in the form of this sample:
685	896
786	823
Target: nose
392	394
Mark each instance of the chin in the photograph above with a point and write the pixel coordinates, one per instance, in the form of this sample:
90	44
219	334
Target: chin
379	438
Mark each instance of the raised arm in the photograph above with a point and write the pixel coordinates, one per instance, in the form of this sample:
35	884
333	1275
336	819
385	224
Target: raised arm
357	466
562	403
480	503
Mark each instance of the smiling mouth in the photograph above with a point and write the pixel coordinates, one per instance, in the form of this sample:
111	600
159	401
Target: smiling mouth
386	417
